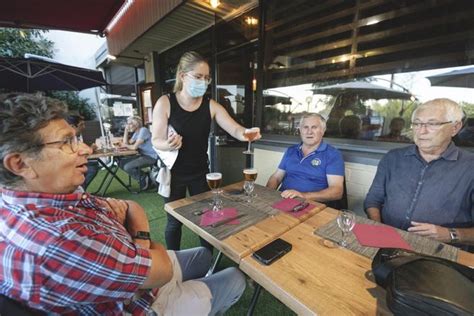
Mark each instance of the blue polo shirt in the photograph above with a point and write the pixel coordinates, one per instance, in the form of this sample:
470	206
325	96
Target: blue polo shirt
308	174
146	148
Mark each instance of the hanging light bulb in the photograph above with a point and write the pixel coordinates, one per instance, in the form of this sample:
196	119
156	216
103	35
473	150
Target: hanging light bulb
214	3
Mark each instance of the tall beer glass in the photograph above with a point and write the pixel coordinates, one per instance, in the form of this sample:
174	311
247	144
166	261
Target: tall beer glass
250	175
214	181
250	134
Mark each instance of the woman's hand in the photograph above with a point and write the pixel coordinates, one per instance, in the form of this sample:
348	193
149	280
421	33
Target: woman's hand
252	134
175	141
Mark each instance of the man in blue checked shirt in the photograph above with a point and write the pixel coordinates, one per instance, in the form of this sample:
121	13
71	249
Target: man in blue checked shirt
428	188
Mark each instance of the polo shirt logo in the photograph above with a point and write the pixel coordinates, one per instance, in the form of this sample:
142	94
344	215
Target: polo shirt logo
316	162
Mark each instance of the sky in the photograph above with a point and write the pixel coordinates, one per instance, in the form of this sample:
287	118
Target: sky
76	49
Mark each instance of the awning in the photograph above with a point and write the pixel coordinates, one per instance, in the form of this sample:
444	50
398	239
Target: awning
86	16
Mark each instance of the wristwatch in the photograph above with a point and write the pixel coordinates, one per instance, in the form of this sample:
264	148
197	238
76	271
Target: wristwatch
142	235
453	234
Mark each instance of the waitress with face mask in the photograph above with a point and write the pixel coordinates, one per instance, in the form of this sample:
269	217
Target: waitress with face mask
190	114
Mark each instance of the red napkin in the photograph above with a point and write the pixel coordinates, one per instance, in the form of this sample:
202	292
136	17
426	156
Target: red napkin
286	205
380	236
208	218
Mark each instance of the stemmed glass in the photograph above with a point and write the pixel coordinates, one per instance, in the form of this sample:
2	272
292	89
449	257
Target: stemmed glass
214	181
250	134
250	175
248	188
346	222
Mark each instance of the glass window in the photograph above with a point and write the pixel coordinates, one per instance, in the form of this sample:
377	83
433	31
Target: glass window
200	43
365	65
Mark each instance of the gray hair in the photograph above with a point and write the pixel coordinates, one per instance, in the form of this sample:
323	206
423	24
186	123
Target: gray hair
21	117
136	119
321	118
187	62
453	111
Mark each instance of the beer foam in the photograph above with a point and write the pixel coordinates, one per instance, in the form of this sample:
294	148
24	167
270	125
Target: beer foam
250	171
214	176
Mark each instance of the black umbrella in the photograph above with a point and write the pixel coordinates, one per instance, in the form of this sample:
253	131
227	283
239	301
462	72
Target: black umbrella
39	74
462	78
364	90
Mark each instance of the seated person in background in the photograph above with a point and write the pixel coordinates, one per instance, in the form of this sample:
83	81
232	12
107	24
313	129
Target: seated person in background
427	188
466	135
350	126
77	122
396	127
313	169
141	141
67	252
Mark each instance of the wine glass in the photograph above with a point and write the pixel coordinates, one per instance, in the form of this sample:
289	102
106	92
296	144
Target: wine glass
250	134
214	180
346	222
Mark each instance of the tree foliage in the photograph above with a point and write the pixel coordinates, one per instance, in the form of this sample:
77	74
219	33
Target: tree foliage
75	103
18	42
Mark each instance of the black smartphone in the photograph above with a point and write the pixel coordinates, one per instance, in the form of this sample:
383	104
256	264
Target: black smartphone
271	252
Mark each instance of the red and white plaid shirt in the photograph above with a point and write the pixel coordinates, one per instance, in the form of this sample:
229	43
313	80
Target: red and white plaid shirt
62	253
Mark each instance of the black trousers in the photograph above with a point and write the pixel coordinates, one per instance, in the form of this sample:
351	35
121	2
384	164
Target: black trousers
195	184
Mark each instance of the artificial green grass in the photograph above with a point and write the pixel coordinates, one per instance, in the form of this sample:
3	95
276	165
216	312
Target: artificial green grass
153	205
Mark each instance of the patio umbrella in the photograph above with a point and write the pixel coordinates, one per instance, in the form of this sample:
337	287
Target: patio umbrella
40	74
364	90
461	78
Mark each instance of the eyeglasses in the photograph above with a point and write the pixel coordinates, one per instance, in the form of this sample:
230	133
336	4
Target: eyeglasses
70	143
207	79
430	125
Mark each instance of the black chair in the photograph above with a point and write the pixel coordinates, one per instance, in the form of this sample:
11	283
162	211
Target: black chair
339	204
10	307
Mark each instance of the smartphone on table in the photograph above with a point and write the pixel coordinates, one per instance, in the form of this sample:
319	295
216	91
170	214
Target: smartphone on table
271	252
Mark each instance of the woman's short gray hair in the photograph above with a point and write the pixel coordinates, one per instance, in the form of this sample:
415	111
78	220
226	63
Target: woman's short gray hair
452	110
21	117
136	119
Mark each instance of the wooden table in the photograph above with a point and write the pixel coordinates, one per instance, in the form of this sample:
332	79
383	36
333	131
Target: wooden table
111	171
315	279
244	242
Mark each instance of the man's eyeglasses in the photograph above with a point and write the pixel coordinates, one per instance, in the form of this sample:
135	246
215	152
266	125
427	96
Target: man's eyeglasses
207	79
430	125
69	144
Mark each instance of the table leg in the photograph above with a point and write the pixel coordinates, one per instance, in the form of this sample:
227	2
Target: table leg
215	264
253	302
111	174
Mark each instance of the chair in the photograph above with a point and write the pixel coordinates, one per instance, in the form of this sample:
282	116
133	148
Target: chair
147	170
342	203
12	307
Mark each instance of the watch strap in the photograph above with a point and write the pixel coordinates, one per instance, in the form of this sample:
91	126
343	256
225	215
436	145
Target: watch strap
142	235
453	234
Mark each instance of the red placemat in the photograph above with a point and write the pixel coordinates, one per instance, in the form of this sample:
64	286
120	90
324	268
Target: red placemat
207	218
287	205
380	236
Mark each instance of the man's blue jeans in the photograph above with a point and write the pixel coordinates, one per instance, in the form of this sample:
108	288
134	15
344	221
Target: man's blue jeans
226	286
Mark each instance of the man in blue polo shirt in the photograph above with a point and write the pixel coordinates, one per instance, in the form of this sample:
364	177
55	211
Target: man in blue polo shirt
313	169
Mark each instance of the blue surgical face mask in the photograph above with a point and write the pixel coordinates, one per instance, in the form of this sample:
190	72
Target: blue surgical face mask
196	88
